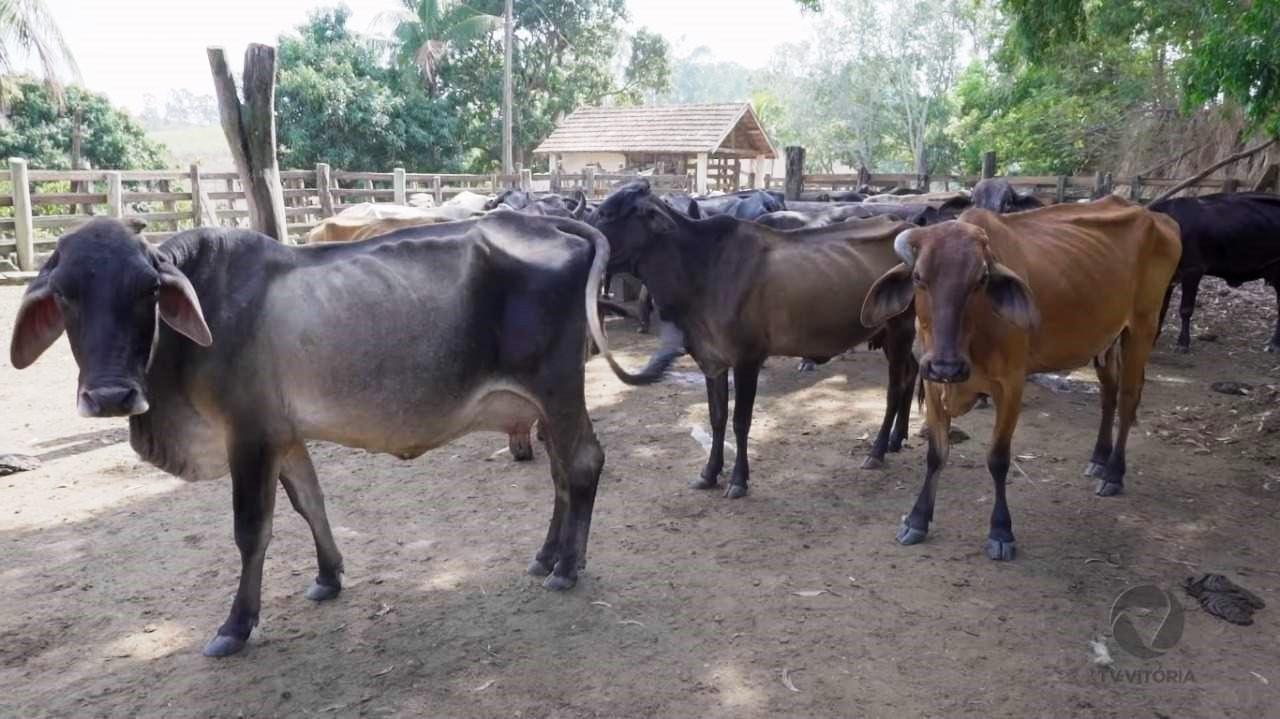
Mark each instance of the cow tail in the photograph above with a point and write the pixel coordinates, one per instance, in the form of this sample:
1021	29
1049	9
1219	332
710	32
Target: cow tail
657	368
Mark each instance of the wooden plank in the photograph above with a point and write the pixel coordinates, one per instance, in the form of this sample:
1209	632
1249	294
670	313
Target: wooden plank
304	175
64	175
150	175
233	196
379	176
59	220
159	216
361	192
67	198
151	196
23	225
232	214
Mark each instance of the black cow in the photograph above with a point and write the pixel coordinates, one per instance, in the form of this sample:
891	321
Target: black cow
997	195
228	350
1235	236
740	292
550	204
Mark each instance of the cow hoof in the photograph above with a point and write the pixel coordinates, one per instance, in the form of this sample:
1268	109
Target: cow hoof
1095	469
524	454
735	491
872	462
807	366
318	592
559	583
1182	349
909	535
538	569
1109	489
703	483
223	646
1000	551
1272	347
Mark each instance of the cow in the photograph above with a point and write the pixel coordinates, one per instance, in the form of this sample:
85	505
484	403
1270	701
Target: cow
999	297
739	292
744	205
546	204
1235	236
228	350
997	195
368	219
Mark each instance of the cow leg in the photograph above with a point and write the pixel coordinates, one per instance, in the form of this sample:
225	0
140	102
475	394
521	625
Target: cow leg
545	560
1008	400
1135	347
745	379
1190	287
718	408
254	467
897	412
576	454
915	526
645	310
1109	379
1164	309
298	475
520	444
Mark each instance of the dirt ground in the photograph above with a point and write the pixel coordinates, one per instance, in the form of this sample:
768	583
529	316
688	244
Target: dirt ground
794	601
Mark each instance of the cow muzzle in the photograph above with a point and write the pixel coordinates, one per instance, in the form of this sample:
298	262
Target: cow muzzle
945	371
112	401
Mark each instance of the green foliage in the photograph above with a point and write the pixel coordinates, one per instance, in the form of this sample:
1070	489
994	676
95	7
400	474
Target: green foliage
699	77
648	68
39	127
1238	56
337	102
27	29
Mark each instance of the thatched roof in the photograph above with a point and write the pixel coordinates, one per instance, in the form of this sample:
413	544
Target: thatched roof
725	129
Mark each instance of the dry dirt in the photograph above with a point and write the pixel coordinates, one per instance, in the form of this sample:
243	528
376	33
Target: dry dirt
112	574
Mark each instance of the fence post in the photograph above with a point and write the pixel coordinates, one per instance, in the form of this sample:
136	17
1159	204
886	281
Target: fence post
555	179
115	195
437	190
526	180
589	182
795	172
23	229
922	182
1062	189
1107	184
195	195
864	177
1135	189
988	164
324	188
399	186
1231	184
1097	185
493	184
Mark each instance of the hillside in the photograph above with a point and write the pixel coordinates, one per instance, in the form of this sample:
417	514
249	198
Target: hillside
204	144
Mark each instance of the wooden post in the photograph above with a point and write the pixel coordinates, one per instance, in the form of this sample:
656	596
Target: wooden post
526	179
795	172
115	195
437	189
1097	185
555	179
22	226
399	186
988	164
1108	186
922	182
700	181
494	187
1231	184
864	177
589	182
324	189
1135	189
250	128
1061	194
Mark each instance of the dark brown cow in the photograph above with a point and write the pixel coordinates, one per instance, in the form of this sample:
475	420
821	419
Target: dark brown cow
1000	297
740	292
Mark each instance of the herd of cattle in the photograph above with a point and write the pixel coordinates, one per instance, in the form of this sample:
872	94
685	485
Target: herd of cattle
485	307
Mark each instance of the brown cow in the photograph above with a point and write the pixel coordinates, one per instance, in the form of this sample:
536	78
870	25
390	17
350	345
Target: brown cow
1000	297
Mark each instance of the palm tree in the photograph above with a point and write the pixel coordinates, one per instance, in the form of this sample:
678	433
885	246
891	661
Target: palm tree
424	30
27	30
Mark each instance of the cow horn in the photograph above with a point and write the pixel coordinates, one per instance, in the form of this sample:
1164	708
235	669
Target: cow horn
902	247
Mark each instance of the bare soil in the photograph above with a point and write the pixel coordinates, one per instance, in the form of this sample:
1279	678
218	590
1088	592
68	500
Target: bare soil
794	601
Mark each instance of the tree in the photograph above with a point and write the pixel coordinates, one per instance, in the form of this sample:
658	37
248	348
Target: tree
648	68
563	56
338	102
40	128
27	29
425	31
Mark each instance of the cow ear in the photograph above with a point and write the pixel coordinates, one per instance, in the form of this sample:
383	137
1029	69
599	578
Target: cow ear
1011	298
889	297
38	325
179	306
695	212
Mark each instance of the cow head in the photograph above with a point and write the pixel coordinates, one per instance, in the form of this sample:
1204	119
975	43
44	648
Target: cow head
104	286
635	221
956	283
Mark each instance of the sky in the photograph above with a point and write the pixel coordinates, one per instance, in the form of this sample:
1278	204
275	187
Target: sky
131	48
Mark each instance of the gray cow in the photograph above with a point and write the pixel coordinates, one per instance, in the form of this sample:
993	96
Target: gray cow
227	350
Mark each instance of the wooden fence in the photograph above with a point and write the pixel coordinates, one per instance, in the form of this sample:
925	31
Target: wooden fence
38	205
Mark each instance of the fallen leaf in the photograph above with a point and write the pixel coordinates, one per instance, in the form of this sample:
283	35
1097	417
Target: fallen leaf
385	671
786	680
632	621
603	604
811	593
484	686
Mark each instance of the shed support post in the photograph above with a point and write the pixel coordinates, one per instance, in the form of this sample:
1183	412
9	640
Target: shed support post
795	172
24	230
703	163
